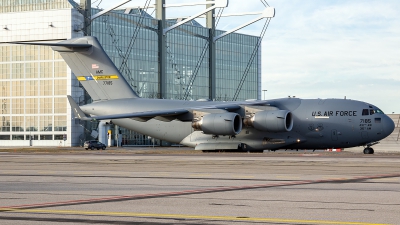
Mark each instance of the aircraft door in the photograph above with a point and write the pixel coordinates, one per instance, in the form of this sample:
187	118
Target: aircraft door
334	135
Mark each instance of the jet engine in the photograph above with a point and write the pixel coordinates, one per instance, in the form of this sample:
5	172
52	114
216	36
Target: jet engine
271	120
219	123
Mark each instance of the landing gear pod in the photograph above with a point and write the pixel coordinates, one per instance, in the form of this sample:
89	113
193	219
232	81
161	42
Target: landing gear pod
219	124
272	121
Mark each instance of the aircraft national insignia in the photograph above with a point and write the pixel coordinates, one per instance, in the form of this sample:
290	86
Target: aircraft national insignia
97	77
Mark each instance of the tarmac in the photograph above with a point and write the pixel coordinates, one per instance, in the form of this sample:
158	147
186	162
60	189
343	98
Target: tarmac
180	186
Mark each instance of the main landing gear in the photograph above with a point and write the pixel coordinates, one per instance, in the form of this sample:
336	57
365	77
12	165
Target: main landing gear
368	149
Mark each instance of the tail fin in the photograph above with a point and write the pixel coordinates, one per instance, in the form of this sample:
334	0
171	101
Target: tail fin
92	67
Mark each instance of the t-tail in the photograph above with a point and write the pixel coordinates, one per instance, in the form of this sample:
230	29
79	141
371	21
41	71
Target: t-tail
93	68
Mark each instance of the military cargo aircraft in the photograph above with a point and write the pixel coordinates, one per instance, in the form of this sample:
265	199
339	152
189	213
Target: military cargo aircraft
287	123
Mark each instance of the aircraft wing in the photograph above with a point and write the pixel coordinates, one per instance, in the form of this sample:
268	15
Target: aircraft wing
142	115
165	114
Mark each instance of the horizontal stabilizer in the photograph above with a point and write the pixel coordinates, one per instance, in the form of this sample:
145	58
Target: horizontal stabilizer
68	45
79	114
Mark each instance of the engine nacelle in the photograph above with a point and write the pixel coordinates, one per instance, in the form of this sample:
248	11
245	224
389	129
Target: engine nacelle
219	123
272	121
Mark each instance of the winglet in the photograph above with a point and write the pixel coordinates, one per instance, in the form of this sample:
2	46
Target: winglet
77	111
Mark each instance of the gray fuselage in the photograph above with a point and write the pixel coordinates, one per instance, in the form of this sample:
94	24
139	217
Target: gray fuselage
317	123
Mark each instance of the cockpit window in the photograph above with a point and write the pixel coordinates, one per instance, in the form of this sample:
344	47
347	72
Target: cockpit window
371	111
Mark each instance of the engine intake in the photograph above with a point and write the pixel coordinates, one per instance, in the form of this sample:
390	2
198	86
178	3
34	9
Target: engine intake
219	123
272	121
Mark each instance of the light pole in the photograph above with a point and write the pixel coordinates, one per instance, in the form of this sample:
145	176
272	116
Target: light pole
264	93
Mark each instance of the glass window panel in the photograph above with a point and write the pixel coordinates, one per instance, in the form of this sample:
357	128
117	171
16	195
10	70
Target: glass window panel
60	123
17	88
5	71
46	69
60	105
5	106
31	88
58	137
17	52
46	137
46	53
5	89
32	137
46	105
17	137
17	123
31	52
5	53
17	70
60	69
5	123
31	106
31	70
46	87
31	123
17	106
60	87
4	137
46	123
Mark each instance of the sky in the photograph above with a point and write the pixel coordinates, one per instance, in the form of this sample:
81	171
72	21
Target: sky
319	49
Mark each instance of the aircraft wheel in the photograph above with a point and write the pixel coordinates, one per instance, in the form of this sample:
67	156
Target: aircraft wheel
368	151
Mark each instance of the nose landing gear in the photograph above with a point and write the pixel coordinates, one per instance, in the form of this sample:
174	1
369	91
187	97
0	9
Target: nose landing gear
368	149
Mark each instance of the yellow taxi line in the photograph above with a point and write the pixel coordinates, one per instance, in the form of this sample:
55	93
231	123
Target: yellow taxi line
182	216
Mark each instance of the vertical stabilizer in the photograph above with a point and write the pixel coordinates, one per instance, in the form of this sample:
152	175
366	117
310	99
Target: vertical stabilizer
94	69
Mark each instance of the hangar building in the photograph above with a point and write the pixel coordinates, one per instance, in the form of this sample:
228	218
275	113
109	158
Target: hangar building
34	80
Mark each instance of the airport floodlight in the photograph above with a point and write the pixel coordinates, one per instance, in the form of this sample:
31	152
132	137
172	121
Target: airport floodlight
108	10
217	4
269	12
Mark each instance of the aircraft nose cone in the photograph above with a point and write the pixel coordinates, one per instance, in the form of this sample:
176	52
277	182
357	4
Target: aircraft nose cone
388	125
